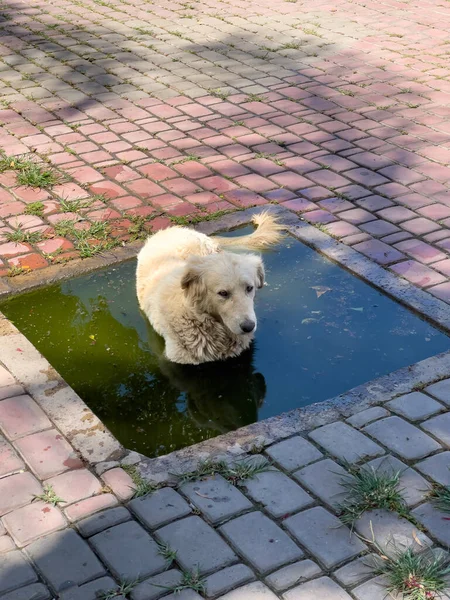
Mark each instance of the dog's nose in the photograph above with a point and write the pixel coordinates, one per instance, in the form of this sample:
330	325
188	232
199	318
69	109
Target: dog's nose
247	326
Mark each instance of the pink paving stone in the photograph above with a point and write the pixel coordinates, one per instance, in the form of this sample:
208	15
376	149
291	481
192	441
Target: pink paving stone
300	165
263	166
24	221
108	189
280	195
335	205
420	226
418	273
75	485
195	170
414	201
379	252
86	175
420	251
157	172
18	490
441	291
244	198
9	460
327	178
103	214
6	544
126	202
49	246
396	214
402	175
166	201
291	180
6	379
342	229
34	521
319	216
181	186
29	194
48	453
299	205
366	177
435	211
87	507
371	160
145	188
392	190
443	266
256	183
216	184
203	198
21	416
379	228
29	261
374	203
120	173
120	483
13	249
356	216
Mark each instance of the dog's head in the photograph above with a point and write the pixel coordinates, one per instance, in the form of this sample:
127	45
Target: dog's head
223	285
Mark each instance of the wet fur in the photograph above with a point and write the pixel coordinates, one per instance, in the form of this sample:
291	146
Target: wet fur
178	276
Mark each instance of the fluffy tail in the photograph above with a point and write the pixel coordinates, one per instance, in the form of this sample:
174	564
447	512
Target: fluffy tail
268	233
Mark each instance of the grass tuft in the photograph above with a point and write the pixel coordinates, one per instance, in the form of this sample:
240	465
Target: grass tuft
20	236
74	205
369	489
235	473
190	580
35	208
218	93
415	576
167	553
125	588
139	229
143	487
49	496
29	172
255	98
440	497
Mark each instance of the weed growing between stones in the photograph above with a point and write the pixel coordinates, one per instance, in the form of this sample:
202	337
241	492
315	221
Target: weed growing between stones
142	486
440	497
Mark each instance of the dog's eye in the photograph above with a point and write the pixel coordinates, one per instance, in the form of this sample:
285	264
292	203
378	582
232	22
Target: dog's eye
249	289
224	293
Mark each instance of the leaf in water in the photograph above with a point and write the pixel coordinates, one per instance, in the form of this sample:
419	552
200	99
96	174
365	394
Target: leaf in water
92	337
320	290
357	309
309	321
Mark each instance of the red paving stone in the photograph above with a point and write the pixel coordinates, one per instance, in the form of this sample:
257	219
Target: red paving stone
356	125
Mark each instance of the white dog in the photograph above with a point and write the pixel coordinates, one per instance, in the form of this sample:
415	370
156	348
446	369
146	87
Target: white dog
199	298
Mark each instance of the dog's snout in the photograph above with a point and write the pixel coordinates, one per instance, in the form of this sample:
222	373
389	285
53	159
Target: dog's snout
247	326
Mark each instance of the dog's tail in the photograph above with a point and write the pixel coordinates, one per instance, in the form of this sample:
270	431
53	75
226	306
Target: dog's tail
267	233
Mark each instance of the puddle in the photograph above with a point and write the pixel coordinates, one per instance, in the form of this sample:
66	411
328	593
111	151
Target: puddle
321	331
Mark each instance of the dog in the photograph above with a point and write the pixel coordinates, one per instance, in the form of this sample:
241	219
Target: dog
200	297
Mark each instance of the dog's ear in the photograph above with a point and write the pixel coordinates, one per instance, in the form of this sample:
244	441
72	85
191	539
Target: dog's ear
260	275
192	282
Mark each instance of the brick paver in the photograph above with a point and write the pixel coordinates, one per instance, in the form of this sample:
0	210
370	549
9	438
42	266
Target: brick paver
176	111
276	535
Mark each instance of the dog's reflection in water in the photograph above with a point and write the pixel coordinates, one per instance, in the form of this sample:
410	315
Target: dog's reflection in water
222	395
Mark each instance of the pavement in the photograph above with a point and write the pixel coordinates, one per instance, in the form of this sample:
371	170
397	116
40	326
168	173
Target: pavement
178	111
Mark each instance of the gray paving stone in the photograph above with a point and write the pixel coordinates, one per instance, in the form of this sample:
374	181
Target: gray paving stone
323	589
128	551
440	390
324	536
91	590
401	437
439	427
15	571
156	586
159	508
375	589
35	591
184	595
391	532
324	479
216	498
227	579
437	467
348	444
435	522
251	591
292	574
413	487
197	544
356	571
277	493
104	520
293	453
261	542
415	406
367	416
64	559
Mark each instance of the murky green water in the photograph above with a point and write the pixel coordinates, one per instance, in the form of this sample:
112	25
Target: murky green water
321	331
